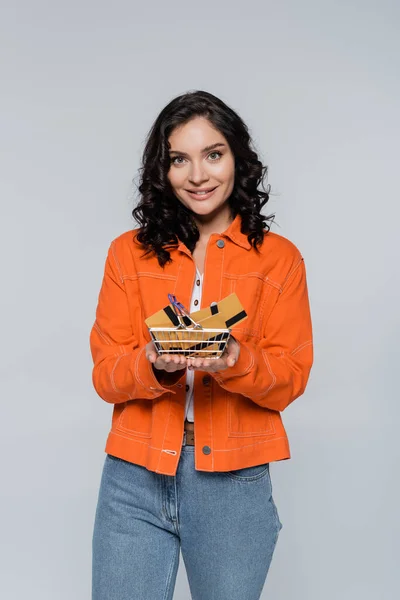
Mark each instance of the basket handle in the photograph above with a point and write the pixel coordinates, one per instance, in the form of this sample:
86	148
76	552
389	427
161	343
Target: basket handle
181	311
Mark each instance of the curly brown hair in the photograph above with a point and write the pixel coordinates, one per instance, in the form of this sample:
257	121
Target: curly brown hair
162	218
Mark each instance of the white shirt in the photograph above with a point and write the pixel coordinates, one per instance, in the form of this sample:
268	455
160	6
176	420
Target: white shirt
194	305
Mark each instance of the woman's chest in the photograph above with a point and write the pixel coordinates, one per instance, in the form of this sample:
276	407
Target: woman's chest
147	291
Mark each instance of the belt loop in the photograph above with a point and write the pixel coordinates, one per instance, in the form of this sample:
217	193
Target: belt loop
184	438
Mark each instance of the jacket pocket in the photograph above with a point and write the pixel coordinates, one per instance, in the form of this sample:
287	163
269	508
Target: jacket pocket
246	418
253	292
137	418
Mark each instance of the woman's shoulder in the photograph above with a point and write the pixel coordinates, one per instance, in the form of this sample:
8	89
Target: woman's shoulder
124	249
280	256
126	241
277	243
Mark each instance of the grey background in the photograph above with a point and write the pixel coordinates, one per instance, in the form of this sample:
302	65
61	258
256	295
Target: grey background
318	85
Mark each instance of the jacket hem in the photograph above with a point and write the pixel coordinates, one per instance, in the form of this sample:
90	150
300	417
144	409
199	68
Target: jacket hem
165	461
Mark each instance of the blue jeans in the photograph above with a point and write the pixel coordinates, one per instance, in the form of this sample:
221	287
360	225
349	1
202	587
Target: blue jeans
225	523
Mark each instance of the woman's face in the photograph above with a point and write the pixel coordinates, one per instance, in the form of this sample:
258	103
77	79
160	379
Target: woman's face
201	159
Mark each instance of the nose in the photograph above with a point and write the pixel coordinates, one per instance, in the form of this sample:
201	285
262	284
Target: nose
198	173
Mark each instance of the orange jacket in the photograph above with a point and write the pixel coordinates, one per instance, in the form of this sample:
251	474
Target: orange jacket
237	411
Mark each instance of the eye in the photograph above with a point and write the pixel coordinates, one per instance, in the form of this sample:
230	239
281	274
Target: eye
174	158
216	152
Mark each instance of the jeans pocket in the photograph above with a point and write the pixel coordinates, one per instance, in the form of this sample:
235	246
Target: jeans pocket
249	473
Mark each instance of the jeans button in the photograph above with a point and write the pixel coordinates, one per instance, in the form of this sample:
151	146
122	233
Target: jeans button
206	380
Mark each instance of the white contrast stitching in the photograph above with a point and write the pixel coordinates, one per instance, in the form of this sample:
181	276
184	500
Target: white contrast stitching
112	376
301	347
261	311
165	432
149	274
116	262
232	433
211	421
130	277
132	439
291	273
177	275
249	445
245	275
274	284
137	370
252	361
265	357
101	334
222	269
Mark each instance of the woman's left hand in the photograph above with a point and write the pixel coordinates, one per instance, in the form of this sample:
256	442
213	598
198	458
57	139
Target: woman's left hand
228	359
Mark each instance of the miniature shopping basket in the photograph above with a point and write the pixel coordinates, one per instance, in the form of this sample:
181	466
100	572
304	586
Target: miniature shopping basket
188	337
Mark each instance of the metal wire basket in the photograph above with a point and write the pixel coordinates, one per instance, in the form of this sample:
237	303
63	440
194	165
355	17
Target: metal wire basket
190	340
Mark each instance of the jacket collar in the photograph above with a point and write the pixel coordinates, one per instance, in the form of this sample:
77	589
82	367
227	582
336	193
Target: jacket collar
233	232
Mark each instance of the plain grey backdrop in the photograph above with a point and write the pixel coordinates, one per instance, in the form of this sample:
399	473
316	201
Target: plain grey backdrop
318	85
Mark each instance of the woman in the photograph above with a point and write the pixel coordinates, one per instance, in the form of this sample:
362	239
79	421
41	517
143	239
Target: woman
187	463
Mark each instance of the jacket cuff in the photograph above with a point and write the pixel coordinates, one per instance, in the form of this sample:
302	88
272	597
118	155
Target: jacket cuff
146	379
169	379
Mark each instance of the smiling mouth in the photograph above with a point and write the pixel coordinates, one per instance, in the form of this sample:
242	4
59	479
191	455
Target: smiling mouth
206	190
202	194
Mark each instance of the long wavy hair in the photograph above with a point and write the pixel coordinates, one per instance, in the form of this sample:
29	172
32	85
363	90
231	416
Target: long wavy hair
162	218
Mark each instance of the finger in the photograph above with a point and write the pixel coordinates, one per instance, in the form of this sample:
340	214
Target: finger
218	364
231	359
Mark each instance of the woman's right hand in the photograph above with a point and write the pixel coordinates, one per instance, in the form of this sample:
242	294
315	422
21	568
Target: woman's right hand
165	362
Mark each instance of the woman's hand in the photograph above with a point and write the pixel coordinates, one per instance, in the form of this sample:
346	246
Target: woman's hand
166	362
228	359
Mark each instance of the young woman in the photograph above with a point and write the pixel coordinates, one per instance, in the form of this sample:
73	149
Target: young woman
188	453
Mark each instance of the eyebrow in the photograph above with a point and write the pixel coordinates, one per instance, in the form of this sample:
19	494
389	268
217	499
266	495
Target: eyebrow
206	149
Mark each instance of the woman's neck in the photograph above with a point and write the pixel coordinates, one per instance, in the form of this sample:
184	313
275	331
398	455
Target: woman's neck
213	224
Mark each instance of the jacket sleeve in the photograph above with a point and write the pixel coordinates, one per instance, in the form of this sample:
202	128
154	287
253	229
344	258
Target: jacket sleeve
275	371
121	370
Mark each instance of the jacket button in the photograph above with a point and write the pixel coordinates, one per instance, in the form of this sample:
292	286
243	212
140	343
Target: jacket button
220	243
206	450
198	282
187	387
206	380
